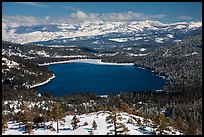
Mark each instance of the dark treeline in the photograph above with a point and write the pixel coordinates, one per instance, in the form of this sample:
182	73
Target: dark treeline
45	54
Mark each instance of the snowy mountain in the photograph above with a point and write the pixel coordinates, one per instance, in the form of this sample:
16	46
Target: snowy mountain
101	33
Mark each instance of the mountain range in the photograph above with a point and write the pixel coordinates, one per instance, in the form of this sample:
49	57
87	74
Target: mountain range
101	34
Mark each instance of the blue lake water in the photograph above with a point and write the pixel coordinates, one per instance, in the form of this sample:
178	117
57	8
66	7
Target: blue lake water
99	79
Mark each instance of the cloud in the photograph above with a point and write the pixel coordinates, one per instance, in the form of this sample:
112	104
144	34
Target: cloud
47	18
159	16
71	8
20	20
125	16
34	4
80	16
184	18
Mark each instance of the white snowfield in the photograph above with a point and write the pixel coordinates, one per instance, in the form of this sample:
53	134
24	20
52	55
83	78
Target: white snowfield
119	39
100	119
91	29
91	61
142	49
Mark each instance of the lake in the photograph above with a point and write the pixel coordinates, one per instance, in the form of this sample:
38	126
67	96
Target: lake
99	79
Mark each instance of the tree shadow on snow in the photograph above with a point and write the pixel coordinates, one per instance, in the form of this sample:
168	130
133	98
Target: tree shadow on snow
63	129
88	129
143	131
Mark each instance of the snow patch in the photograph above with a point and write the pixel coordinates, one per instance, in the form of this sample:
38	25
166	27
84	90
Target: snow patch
170	35
132	54
9	63
159	40
194	53
119	39
142	49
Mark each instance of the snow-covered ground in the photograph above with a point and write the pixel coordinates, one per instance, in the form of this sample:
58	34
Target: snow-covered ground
131	54
143	49
99	117
91	61
194	53
9	63
159	40
119	39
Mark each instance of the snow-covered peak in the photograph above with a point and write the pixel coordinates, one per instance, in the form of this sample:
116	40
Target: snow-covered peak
189	25
152	23
194	24
39	33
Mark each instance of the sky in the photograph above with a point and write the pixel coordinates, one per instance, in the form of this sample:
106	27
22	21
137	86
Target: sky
76	12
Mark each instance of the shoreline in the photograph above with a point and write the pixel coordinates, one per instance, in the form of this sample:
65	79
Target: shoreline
43	83
91	61
153	71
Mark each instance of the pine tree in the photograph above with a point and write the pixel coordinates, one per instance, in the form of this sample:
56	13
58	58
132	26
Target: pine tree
130	121
94	125
51	111
39	120
101	108
4	123
123	129
85	123
57	115
156	122
125	107
139	122
191	128
178	124
162	123
75	122
18	118
27	118
29	127
145	121
115	120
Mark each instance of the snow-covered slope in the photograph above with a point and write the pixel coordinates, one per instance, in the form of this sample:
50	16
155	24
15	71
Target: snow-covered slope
20	74
100	119
9	63
149	31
